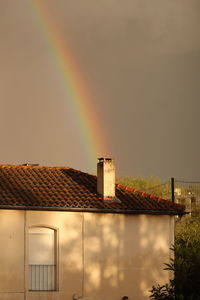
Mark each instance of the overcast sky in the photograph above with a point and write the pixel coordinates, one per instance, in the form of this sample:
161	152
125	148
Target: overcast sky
141	59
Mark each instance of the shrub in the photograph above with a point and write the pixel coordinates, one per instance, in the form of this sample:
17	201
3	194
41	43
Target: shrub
163	292
187	258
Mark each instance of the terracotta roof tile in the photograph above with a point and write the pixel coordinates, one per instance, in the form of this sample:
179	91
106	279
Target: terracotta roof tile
36	187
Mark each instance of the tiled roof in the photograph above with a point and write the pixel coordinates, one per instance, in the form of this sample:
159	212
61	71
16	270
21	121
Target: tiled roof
37	187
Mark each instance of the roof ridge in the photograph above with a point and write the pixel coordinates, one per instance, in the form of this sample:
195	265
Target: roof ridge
31	166
45	167
78	171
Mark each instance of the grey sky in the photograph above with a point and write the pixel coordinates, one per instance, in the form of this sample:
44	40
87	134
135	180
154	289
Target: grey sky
142	60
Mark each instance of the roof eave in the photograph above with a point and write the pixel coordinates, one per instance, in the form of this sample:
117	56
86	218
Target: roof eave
95	210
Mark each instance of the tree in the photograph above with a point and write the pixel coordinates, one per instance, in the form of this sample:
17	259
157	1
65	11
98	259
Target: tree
151	185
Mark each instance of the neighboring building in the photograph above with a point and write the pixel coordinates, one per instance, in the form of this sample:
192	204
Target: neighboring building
190	197
65	235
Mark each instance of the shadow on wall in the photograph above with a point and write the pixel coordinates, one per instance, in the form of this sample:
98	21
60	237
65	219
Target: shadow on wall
120	255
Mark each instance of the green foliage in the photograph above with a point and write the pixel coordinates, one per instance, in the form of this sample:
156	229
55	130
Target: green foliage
187	258
151	184
139	183
163	292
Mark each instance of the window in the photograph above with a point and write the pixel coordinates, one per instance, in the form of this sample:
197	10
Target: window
42	259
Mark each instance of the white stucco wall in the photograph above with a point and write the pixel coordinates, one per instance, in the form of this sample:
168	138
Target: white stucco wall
100	256
11	254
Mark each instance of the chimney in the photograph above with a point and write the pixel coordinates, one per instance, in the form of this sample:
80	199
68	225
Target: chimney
106	178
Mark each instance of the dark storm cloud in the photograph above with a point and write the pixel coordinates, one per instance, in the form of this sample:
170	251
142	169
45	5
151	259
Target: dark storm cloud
142	60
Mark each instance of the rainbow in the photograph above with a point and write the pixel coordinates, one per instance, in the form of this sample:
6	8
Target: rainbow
80	100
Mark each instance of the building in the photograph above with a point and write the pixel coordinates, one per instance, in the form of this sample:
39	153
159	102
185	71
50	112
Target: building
65	235
190	197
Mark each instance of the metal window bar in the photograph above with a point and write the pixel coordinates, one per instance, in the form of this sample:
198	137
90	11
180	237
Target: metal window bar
42	277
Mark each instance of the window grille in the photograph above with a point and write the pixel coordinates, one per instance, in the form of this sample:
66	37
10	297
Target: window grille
42	277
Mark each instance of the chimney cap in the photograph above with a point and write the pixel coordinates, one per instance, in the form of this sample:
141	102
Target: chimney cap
29	164
101	159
